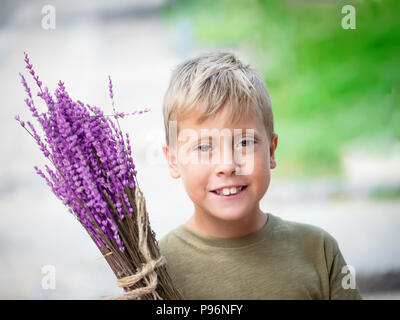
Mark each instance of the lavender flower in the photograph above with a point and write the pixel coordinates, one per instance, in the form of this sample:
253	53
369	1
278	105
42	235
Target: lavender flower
94	176
93	173
110	88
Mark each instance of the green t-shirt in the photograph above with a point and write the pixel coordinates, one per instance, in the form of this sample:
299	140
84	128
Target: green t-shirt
282	260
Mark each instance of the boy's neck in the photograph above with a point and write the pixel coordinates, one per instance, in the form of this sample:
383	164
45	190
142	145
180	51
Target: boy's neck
217	228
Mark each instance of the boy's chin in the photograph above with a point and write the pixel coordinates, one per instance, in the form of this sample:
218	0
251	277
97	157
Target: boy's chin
230	215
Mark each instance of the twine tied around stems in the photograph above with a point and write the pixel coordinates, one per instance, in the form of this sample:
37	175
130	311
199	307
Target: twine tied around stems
151	281
147	271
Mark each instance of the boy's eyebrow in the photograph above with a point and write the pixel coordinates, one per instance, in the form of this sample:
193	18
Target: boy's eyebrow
243	132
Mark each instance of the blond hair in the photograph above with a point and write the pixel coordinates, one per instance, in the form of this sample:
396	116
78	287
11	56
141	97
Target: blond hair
208	82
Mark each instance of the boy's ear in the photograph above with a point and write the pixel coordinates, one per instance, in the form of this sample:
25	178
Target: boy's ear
272	148
172	162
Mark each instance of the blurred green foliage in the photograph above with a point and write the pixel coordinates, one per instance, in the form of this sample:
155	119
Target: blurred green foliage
328	85
383	194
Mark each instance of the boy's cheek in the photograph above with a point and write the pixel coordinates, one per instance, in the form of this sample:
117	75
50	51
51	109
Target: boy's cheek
261	166
246	163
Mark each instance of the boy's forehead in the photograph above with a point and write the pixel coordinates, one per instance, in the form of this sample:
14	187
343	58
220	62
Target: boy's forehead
218	122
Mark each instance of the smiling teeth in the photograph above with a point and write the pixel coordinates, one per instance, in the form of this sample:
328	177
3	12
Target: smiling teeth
229	191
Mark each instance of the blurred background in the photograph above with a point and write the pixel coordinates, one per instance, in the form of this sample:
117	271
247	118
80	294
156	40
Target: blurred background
336	101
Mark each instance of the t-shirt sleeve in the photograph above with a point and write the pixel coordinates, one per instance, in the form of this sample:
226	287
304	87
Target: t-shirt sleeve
342	277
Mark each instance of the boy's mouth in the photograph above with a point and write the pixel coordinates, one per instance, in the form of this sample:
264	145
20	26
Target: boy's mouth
231	192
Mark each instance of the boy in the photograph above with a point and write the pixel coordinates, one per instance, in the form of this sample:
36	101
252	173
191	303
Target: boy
229	248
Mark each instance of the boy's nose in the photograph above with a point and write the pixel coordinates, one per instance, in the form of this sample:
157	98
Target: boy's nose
227	164
230	161
227	169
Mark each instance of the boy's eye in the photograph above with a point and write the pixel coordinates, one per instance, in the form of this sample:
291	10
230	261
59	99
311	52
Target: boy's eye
203	147
247	142
243	143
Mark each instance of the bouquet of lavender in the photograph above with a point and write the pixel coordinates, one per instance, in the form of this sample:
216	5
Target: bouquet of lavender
94	176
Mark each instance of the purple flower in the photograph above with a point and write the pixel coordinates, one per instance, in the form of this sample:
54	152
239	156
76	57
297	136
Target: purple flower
110	87
93	164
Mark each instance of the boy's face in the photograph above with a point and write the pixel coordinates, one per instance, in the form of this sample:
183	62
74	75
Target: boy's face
207	159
